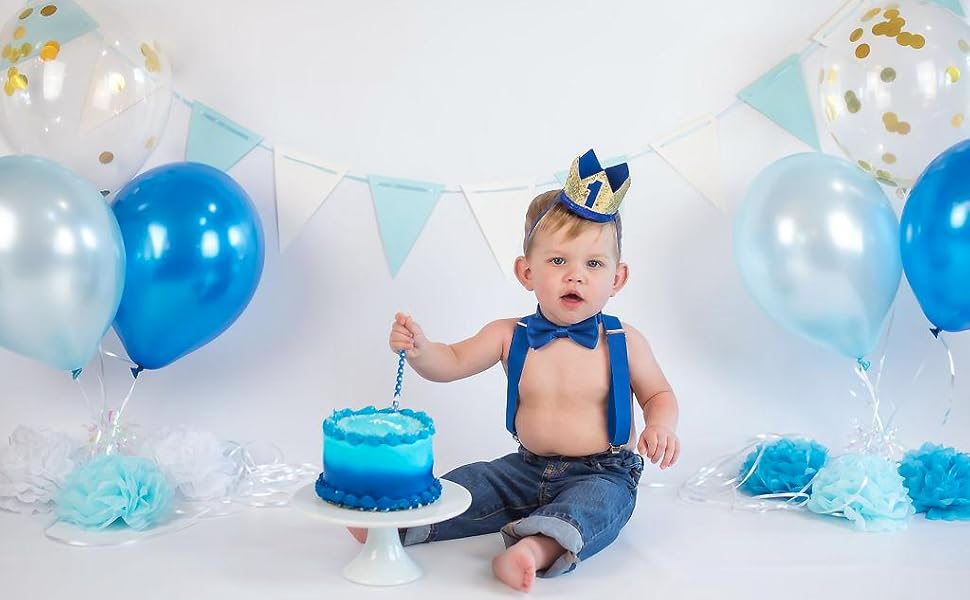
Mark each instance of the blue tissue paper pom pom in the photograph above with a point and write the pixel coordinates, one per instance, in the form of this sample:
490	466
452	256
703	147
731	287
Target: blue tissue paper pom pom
863	488
114	487
938	480
786	466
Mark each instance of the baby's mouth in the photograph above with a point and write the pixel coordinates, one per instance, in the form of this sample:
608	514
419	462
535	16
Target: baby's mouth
571	297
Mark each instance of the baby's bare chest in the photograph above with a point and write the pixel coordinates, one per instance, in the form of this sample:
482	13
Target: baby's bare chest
566	371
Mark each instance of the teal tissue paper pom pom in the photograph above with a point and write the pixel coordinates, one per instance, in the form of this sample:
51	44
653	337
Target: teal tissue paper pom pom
786	465
863	488
938	480
114	487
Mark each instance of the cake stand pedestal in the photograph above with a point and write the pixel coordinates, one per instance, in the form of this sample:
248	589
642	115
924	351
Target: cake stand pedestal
383	560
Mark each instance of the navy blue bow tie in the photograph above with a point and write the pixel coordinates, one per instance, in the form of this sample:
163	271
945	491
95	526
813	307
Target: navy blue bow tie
540	331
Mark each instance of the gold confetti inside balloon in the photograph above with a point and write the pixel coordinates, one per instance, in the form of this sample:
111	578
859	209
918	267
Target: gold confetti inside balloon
894	87
80	89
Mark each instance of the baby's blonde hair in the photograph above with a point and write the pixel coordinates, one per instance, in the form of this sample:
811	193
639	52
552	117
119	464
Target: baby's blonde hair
551	220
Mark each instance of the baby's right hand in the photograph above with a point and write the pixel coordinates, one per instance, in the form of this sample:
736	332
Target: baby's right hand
407	335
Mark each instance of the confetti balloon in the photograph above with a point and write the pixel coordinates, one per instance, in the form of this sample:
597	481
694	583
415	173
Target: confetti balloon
77	91
895	87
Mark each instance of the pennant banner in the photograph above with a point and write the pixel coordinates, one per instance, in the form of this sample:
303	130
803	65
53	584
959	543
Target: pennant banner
402	207
216	140
302	185
781	96
694	152
498	207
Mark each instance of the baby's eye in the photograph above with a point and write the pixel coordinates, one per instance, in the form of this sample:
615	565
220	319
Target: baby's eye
594	264
558	260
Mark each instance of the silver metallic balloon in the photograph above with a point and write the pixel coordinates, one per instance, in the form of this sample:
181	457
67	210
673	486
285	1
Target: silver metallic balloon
62	262
817	244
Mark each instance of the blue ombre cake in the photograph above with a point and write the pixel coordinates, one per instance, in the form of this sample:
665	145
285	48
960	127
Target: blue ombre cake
378	459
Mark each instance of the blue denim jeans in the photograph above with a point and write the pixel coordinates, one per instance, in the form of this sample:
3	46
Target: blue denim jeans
581	502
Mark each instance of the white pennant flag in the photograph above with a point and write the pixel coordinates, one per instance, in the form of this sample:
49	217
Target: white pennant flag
694	152
836	29
302	184
500	209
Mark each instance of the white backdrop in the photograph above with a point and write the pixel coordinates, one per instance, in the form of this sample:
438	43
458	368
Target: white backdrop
472	92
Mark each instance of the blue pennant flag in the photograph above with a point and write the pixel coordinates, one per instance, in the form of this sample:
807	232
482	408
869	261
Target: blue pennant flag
43	24
953	5
216	140
402	208
780	95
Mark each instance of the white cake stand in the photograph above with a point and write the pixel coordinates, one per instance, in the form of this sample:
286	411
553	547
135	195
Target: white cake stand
383	560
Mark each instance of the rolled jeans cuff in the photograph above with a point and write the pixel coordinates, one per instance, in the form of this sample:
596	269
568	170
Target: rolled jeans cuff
564	532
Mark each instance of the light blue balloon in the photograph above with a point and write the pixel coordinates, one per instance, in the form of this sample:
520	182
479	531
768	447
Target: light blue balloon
195	256
62	263
817	244
935	242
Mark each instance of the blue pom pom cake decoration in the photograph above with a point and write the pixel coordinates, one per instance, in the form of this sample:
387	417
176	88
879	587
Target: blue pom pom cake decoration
378	459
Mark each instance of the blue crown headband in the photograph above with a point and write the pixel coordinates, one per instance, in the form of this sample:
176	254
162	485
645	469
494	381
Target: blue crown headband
591	192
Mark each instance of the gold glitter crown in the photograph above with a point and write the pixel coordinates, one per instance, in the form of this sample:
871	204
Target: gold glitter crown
592	192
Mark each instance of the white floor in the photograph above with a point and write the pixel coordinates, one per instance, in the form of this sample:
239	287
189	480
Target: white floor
670	549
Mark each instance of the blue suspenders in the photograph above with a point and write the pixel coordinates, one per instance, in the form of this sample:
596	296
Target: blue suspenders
618	417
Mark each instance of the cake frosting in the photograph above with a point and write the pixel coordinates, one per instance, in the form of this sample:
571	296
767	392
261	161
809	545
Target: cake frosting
378	459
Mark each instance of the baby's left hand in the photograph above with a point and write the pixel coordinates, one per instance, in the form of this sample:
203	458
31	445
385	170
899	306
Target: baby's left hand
658	443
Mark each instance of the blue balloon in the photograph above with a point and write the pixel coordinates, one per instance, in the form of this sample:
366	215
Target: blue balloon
62	262
817	244
935	241
195	255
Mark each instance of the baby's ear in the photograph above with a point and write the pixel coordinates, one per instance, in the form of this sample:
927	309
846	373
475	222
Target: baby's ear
619	280
523	272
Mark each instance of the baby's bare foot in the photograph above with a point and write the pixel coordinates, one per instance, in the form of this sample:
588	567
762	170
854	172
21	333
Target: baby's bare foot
516	567
359	533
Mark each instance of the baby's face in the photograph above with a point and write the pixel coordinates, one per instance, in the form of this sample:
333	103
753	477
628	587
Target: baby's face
573	279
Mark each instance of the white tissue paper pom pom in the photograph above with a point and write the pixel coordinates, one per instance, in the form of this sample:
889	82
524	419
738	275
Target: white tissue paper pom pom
32	468
196	462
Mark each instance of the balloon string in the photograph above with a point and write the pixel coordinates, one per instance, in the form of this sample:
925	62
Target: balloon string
912	383
104	393
124	403
862	372
84	394
107	421
119	358
721	482
953	377
882	359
